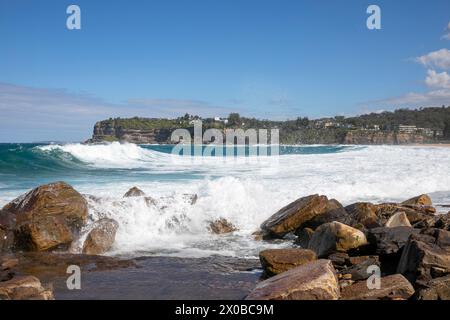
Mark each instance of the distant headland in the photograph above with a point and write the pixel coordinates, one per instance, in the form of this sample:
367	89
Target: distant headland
402	126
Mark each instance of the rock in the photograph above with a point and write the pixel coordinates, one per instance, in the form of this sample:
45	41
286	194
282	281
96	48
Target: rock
415	214
258	235
134	192
436	289
334	212
389	240
422	200
393	287
339	259
334	237
294	215
101	237
149	201
426	256
399	219
303	237
275	261
221	226
24	288
191	198
364	213
316	280
442	222
359	266
47	217
7	223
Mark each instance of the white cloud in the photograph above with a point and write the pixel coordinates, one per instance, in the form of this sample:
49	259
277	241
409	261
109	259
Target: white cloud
436	59
446	36
438	80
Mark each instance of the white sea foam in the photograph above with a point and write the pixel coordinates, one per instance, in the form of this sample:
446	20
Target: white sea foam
246	193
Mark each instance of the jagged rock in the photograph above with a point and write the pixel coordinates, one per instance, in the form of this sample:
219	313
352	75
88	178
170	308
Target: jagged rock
422	200
436	289
192	198
24	288
364	213
389	240
275	261
442	222
150	201
294	215
335	236
101	237
47	217
359	266
316	280
221	226
303	237
426	256
393	287
258	235
134	192
398	220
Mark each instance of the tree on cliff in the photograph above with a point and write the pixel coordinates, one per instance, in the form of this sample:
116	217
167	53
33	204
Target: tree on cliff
234	119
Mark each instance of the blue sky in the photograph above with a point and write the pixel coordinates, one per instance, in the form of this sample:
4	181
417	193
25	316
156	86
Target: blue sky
274	59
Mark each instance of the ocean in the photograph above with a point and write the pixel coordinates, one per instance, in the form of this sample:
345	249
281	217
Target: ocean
244	190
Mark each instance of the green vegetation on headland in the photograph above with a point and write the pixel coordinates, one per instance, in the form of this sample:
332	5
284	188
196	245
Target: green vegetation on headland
424	125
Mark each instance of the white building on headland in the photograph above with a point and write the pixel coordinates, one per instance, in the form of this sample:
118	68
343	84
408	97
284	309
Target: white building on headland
219	119
407	129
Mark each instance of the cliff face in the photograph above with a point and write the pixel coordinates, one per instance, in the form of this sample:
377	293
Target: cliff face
111	131
383	137
105	131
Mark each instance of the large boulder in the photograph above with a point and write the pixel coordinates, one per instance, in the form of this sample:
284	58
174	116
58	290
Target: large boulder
24	288
334	237
101	237
334	212
421	200
393	287
47	217
389	240
7	223
294	215
436	289
364	213
275	261
134	192
426	256
316	280
221	226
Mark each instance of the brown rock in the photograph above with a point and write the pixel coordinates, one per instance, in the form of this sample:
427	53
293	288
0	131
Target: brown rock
304	235
101	238
415	214
316	280
436	289
399	219
221	226
359	266
24	288
364	213
392	287
426	256
389	240
47	217
275	261
294	215
334	237
422	200
134	192
334	212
